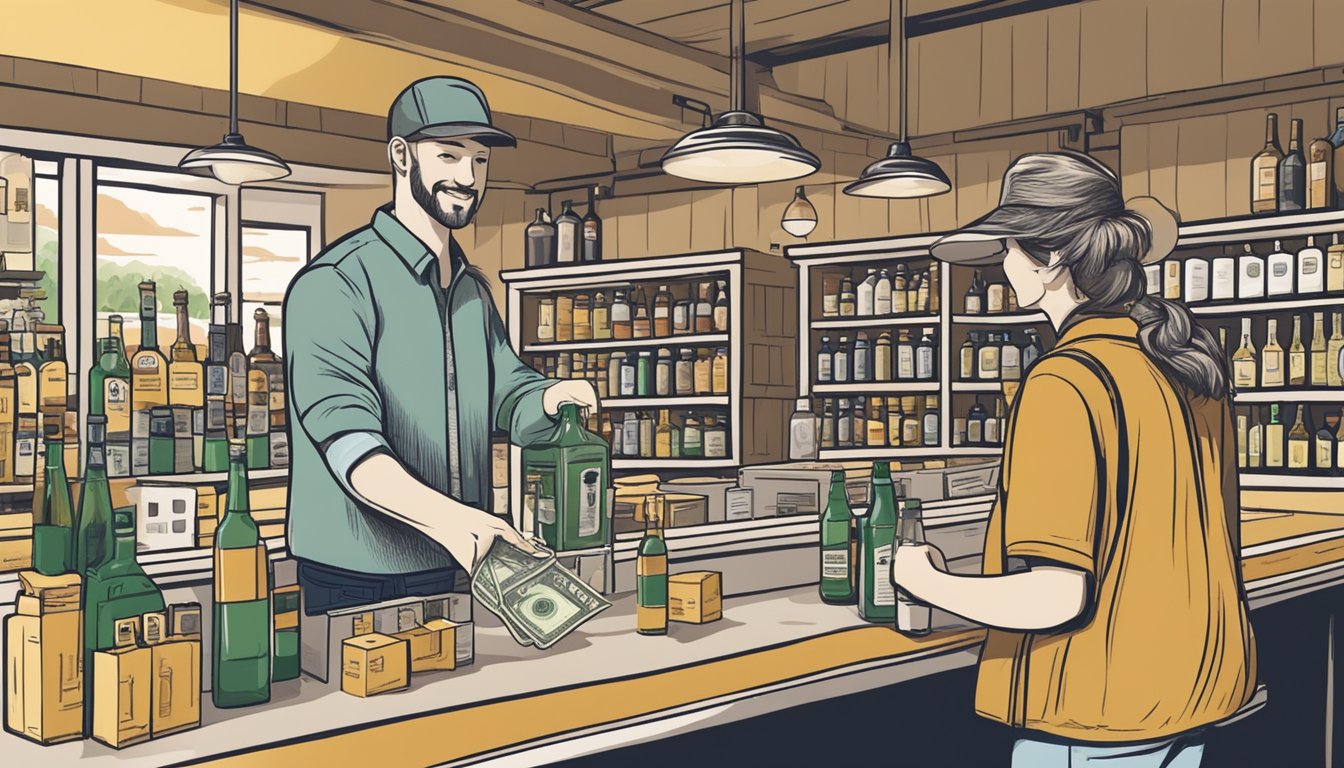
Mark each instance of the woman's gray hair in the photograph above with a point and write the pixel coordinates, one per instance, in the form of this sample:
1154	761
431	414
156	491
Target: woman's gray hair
1102	242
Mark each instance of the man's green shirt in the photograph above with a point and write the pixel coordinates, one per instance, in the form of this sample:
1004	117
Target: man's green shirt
379	357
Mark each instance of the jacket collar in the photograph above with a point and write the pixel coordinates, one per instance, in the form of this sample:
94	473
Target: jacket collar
1114	326
409	248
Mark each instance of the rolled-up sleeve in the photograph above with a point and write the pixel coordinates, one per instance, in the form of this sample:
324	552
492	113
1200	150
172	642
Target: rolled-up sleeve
329	334
516	396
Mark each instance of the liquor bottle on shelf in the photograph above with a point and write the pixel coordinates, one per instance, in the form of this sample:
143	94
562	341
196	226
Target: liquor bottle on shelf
662	436
53	380
905	356
926	367
575	467
592	229
540	241
837	566
721	308
1243	422
882	354
1319	363
265	395
53	529
911	425
987	359
877	596
1334	353
716	438
116	385
864	294
848	300
704	310
996	298
877	423
1273	447
651	571
568	237
976	295
583	318
900	303
1280	267
216	450
1321	192
1223	281
641	327
186	384
882	294
830	295
683	321
1196	280
803	429
862	358
825	360
1325	443
1265	169
621	327
1293	171
692	437
1299	443
601	316
1271	358
840	364
662	312
912	617
975	424
1243	360
922	295
1334	263
148	387
1255	440
663	375
719	372
1310	268
704	373
1010	359
1297	356
844	436
646	431
966	368
930	423
241	659
858	422
1250	274
895	418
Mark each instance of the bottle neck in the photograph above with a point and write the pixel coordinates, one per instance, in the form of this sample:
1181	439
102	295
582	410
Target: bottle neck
263	334
55	454
149	321
123	546
238	490
182	324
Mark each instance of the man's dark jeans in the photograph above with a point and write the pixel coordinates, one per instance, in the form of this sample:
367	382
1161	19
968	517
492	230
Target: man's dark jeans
326	588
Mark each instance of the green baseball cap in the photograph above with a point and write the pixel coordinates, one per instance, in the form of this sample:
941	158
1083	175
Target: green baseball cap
443	108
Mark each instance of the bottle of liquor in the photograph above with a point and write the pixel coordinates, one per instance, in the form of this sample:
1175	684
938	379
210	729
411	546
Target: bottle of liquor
1271	358
1243	360
662	312
1321	192
1319	363
882	294
662	436
912	617
216	451
1310	268
651	571
116	383
1010	359
540	241
575	469
1223	284
704	311
715	435
719	372
1250	274
53	530
994	424
1255	441
862	360
241	668
882	353
1334	354
848	300
683	317
900	303
837	577
1196	280
858	422
975	424
1273	447
911	425
1279	281
976	295
922	295
52	380
930	429
186	384
1299	444
825	359
840	366
895	418
1325	443
1293	172
621	326
877	597
583	318
996	299
877	423
568	237
1242	434
601	316
592	229
864	297
149	389
704	372
905	356
803	429
692	437
93	526
1265	170
721	309
926	368
1297	357
968	354
987	361
830	295
115	588
238	388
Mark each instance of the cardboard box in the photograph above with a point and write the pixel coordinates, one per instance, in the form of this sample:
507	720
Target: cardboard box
375	663
16	554
714	489
44	658
321	636
184	619
207	503
695	597
122	678
175	702
737	504
433	647
801	488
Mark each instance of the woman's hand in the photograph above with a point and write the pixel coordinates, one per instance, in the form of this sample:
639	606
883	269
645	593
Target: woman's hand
912	564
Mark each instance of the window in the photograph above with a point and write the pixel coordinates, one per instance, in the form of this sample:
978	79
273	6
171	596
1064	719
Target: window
146	233
272	256
47	244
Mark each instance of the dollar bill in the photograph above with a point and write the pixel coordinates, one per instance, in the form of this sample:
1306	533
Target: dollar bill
550	603
486	591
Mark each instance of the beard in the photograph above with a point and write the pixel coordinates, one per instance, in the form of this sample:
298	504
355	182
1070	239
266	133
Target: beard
428	199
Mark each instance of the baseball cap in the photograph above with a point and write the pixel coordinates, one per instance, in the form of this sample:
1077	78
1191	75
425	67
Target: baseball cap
444	108
1047	194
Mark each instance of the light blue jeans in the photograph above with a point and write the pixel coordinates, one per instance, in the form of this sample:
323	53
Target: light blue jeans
1177	752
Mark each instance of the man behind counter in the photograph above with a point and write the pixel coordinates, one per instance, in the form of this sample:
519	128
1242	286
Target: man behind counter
399	366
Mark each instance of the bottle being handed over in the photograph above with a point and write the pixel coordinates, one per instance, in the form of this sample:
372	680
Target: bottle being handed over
912	616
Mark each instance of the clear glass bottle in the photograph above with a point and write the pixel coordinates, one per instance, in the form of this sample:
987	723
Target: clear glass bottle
930	422
540	241
862	358
882	294
1271	357
825	361
1265	170
568	234
1297	356
621	325
912	616
840	366
905	356
864	294
926	357
882	357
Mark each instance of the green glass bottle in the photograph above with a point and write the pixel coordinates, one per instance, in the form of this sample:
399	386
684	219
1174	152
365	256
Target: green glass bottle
651	572
241	671
93	527
97	376
837	578
116	588
574	469
116	383
53	531
215	455
877	597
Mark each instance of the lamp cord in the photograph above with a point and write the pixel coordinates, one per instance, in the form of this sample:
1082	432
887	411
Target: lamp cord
233	66
738	33
905	66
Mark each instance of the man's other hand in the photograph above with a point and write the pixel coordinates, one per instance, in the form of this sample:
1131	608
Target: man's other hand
570	391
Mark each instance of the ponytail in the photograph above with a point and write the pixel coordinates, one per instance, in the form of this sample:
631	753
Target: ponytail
1181	348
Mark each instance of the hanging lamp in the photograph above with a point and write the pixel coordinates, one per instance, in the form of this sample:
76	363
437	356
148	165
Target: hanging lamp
800	217
738	148
233	161
901	173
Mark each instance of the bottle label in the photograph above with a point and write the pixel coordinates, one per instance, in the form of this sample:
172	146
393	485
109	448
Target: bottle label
1324	450
830	305
258	420
240	574
1243	373
590	506
721	319
565	242
835	564
860	365
1297	454
883	591
905	362
716	444
546	510
216	380
590	231
924	363
1268	179
973	305
804	437
690	439
187	381
147	362
1309	265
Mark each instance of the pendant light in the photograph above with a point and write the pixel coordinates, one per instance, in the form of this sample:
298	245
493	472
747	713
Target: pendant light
901	173
233	161
800	217
738	148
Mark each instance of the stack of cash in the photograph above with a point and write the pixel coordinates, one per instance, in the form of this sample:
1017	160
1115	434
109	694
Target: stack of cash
538	599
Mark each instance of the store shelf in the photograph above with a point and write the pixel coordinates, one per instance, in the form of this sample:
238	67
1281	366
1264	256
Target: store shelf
705	340
878	454
978	386
714	265
974	450
624	464
1287	304
859	323
15	489
875	387
1293	482
1295	395
194	478
1006	318
1264	227
689	401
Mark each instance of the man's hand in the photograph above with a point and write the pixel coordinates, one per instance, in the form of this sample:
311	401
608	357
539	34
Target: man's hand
911	565
569	391
468	535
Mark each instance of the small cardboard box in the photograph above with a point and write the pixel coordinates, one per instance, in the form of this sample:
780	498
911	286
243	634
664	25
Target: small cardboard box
122	678
695	597
45	658
184	619
375	663
176	700
433	647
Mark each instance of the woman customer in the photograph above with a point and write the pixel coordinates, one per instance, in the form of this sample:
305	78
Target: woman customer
1112	588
